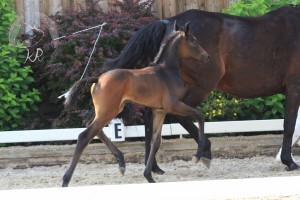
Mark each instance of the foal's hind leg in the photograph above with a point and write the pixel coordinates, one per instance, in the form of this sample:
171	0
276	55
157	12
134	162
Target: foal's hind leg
114	150
292	103
84	139
182	109
158	120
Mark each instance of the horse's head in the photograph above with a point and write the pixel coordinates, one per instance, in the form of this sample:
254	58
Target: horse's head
189	47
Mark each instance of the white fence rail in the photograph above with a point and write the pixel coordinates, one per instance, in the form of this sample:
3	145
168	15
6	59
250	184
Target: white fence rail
117	132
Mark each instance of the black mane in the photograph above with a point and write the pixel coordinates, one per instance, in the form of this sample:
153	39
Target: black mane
141	48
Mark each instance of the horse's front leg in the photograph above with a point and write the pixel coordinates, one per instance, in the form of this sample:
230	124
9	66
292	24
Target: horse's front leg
204	146
148	120
292	103
158	119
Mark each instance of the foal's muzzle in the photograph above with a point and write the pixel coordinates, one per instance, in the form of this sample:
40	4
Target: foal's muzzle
204	57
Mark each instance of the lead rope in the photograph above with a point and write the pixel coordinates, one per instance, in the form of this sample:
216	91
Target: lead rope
67	93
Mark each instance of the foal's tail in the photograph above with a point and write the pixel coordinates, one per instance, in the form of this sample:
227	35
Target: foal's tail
71	95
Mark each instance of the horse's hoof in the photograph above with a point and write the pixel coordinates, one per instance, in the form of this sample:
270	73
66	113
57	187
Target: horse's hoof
122	170
292	167
157	170
195	159
206	162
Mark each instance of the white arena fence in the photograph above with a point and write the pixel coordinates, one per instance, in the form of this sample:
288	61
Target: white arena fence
116	131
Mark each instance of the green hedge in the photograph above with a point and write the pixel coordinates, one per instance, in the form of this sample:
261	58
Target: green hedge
17	99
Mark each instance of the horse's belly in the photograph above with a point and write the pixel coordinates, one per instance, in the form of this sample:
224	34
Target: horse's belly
250	85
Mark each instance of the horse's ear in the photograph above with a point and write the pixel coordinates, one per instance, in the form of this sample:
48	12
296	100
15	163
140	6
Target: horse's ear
176	27
186	28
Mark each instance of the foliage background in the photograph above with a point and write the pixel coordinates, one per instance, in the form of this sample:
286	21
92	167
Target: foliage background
23	107
63	65
17	98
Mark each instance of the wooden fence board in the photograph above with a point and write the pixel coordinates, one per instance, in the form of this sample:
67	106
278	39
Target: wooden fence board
161	8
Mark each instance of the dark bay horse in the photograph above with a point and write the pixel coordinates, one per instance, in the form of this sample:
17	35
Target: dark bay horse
249	57
159	87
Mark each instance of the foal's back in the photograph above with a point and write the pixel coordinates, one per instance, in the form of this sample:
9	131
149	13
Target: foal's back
149	86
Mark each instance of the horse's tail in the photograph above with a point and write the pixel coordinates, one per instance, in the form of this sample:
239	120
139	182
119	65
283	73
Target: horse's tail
71	95
141	48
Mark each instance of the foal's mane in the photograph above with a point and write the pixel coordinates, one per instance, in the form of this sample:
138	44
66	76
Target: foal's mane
166	43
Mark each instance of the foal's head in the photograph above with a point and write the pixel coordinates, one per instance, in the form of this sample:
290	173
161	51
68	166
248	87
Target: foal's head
181	45
189	47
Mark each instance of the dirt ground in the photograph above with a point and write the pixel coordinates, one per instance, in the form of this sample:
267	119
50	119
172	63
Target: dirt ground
234	157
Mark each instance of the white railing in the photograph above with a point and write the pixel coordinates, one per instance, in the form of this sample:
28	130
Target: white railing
117	132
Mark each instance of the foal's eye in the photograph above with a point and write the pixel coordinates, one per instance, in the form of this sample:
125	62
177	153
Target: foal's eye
194	42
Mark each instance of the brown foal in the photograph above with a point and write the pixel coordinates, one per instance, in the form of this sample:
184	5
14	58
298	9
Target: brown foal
159	87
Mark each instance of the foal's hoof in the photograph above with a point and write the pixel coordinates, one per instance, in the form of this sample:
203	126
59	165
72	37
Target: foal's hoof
122	170
292	167
157	170
206	162
150	179
195	159
64	185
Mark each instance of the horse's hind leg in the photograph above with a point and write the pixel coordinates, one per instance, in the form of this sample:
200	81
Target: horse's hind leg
203	144
84	139
114	150
158	120
292	103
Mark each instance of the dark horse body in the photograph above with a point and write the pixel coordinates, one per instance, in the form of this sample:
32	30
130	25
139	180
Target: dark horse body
249	57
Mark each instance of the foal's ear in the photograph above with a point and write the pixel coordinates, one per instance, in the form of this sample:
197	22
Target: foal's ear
186	28
176	27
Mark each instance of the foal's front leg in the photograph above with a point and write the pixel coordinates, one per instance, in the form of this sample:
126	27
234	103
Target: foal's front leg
148	120
158	119
203	152
193	130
